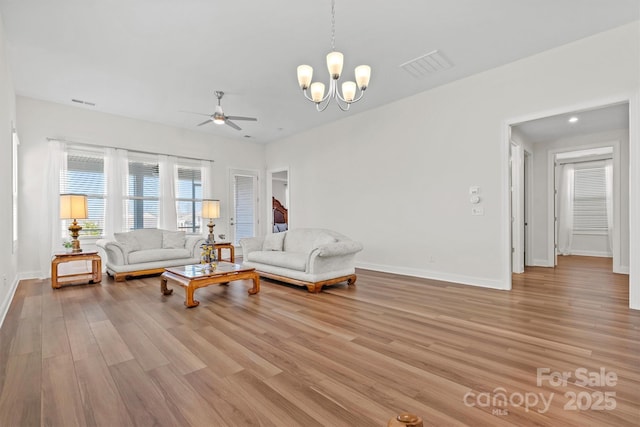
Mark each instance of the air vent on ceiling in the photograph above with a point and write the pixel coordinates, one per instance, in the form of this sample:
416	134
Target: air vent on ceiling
79	101
426	64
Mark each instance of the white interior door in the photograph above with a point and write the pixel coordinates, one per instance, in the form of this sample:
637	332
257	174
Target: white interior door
243	217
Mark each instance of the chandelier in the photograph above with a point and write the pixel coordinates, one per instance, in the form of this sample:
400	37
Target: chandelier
335	60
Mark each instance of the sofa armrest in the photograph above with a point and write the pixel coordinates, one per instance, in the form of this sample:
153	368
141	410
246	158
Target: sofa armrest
251	244
193	243
333	257
116	252
339	248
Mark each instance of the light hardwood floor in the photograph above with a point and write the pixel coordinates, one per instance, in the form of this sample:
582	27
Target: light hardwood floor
118	354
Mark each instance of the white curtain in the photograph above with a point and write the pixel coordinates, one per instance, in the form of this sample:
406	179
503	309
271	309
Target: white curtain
608	175
116	168
168	215
565	208
50	237
206	173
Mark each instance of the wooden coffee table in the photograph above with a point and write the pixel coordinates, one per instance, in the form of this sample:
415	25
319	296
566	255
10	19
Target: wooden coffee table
192	277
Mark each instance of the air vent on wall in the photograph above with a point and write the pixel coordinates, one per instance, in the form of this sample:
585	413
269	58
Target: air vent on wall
79	101
426	64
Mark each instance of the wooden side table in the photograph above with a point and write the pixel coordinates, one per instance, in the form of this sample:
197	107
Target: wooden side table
95	276
226	245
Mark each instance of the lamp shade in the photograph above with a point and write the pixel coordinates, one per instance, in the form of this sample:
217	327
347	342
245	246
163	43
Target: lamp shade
305	73
211	209
334	64
73	206
363	75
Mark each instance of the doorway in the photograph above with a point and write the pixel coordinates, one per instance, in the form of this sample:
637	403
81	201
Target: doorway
543	228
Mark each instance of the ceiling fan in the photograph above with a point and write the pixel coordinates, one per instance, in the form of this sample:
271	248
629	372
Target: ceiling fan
220	118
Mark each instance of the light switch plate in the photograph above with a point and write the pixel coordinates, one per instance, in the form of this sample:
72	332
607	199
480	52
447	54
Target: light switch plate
476	210
474	190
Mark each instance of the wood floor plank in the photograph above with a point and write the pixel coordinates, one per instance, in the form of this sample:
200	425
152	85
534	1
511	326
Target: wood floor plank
145	403
121	353
61	400
103	404
112	346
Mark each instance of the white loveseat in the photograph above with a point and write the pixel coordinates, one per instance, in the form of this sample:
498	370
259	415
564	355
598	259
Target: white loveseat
308	257
149	251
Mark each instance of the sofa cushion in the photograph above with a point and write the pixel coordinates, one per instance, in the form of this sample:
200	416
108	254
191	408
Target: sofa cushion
273	242
150	255
291	260
173	239
306	239
128	240
149	238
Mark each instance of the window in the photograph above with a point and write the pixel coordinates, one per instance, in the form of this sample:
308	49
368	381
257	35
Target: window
590	200
143	192
189	198
84	174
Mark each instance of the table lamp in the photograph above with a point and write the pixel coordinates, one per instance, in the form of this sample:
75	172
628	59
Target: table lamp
74	206
211	210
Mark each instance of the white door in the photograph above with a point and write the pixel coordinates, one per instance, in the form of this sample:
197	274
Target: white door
243	218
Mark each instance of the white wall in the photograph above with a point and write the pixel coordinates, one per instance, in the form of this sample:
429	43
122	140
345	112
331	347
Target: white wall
397	177
541	248
8	261
41	119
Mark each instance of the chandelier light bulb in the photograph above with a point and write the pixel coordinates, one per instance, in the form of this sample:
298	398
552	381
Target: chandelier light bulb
335	60
363	74
317	91
305	74
349	91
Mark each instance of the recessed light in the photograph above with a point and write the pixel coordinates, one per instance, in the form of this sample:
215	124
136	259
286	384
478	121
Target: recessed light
573	119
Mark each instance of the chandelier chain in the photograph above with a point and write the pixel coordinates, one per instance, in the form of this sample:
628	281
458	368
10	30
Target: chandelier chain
333	25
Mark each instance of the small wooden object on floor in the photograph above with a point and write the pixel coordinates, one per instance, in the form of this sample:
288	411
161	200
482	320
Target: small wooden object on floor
226	245
94	276
192	277
405	420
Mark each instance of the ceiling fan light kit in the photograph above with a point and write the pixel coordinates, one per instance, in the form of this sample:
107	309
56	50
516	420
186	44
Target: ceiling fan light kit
335	62
220	118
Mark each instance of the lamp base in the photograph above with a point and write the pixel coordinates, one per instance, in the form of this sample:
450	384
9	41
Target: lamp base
75	228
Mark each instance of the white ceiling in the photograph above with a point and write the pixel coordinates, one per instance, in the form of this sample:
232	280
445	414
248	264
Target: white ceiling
149	59
595	120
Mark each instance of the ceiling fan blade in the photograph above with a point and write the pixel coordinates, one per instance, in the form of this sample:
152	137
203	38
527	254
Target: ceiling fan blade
233	125
205	122
253	119
194	112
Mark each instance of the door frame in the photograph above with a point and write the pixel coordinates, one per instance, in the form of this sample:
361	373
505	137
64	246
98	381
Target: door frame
634	184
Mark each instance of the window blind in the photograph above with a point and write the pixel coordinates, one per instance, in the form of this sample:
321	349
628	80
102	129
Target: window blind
143	201
244	206
590	200
84	174
189	198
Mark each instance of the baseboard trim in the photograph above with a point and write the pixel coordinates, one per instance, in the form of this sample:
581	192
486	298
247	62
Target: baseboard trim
592	253
26	275
4	308
621	269
435	275
541	263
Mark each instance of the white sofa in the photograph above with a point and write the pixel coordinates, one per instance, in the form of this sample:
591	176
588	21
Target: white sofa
308	257
149	251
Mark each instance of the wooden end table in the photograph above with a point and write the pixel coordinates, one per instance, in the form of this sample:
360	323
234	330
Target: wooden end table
192	277
94	276
225	245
